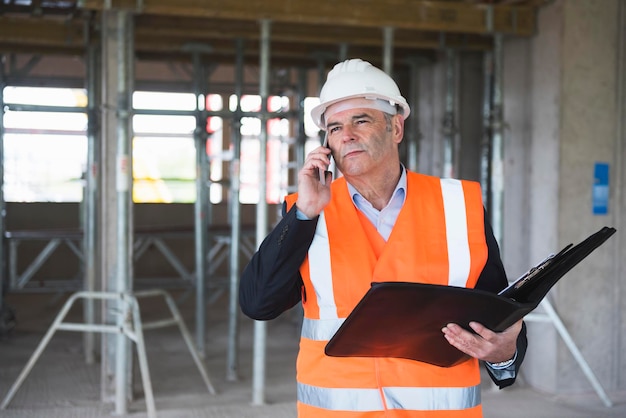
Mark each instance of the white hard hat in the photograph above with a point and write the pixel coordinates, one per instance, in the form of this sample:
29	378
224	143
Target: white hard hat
357	78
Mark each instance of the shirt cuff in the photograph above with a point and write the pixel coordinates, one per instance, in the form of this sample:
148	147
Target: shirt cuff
301	216
502	365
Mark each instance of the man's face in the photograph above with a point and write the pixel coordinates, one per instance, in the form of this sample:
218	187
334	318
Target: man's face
364	141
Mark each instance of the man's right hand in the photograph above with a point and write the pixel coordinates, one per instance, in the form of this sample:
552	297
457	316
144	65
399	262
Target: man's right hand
313	196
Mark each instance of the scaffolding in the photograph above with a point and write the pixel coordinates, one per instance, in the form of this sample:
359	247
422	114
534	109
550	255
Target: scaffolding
104	241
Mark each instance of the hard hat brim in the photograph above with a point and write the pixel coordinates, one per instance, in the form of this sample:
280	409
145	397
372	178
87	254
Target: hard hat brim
317	113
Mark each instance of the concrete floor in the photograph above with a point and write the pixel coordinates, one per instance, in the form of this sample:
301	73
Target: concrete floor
62	385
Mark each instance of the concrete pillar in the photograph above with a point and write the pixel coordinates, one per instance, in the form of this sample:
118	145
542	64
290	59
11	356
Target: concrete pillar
588	135
564	119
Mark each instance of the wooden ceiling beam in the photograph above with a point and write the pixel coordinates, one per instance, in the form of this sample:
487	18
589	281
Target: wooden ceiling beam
153	34
41	32
212	30
448	16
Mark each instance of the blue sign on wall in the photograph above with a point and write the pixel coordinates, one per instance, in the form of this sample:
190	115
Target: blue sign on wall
600	194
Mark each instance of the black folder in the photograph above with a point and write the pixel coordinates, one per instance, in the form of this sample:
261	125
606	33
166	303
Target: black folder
404	320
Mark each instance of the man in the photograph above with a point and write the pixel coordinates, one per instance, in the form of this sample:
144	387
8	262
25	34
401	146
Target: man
378	222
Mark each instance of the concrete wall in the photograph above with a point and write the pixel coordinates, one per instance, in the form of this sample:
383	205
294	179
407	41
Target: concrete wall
565	123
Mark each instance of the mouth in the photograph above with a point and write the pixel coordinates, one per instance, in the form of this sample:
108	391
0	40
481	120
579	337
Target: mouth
352	153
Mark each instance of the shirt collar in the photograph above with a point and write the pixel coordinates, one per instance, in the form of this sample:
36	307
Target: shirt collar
400	188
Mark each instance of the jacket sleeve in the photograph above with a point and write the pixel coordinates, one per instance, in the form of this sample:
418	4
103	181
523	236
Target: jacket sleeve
271	282
493	279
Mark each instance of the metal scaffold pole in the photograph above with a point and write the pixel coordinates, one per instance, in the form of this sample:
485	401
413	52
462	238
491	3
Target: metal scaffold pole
124	176
449	124
115	227
4	315
301	136
497	144
388	33
90	196
485	146
232	366
260	328
414	135
201	205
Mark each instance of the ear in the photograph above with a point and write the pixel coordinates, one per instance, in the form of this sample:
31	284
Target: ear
398	128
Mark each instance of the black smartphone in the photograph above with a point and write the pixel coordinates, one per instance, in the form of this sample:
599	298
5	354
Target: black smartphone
323	172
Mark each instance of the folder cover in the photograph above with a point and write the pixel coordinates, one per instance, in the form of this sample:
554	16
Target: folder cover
404	320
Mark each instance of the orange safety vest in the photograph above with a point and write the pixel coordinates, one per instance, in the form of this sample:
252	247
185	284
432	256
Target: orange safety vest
438	238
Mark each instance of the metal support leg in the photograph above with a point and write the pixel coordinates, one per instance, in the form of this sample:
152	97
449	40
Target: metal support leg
133	331
552	316
135	335
177	319
143	359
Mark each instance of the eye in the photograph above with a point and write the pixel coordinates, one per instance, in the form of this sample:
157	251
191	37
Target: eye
333	129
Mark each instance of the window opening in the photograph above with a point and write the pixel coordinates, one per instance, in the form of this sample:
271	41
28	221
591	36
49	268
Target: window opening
46	148
45	152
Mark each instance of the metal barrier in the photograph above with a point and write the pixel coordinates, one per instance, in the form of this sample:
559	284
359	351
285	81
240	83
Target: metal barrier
130	326
143	240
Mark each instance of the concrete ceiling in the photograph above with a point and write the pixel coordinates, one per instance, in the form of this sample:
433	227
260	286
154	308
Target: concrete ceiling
303	32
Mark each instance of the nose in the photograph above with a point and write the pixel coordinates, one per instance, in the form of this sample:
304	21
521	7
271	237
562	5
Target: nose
347	133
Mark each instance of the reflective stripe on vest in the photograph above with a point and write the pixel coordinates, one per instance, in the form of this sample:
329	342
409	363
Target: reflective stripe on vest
456	231
320	329
406	398
340	399
319	256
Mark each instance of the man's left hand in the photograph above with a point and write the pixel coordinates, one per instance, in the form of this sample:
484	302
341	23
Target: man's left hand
486	345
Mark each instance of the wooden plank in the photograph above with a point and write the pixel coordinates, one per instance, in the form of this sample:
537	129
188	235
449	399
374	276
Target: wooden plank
159	33
214	30
407	14
41	32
